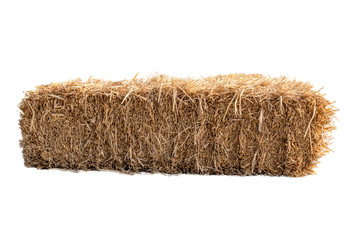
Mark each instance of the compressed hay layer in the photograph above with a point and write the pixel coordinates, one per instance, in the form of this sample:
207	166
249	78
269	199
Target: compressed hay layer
236	124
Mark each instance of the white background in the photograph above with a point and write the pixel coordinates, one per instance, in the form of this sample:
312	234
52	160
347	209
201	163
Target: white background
49	41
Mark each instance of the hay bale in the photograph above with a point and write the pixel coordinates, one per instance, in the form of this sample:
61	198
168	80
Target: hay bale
236	124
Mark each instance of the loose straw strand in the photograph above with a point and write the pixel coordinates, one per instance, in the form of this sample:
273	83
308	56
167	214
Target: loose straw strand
308	127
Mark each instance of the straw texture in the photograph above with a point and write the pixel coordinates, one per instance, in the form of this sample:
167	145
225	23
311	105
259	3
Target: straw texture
233	124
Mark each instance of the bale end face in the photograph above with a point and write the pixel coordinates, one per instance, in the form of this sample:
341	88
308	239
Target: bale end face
233	124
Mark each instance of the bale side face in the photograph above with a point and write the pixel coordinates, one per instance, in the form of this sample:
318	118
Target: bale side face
235	125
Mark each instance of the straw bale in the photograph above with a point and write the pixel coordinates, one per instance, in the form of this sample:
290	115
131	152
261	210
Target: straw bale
235	124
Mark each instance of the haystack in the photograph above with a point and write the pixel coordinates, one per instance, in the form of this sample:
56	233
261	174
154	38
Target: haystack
233	124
